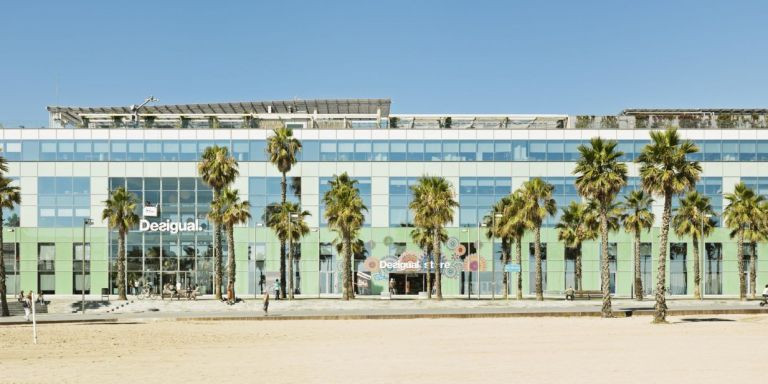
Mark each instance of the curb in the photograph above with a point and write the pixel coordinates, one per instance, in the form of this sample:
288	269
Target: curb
67	321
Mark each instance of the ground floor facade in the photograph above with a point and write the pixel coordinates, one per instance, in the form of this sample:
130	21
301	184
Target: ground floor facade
49	260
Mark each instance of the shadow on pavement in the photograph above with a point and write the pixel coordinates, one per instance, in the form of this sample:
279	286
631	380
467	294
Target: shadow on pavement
704	320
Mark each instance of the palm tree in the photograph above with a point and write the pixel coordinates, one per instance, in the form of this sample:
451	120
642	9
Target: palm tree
9	195
232	212
120	213
288	222
423	238
344	212
742	216
217	169
537	205
693	218
666	171
432	205
495	224
638	216
601	177
283	149
573	229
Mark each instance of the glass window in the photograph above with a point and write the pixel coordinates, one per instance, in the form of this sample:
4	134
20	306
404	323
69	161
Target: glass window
747	151
188	151
571	150
762	150
712	151
363	151
48	151
538	151
170	151
502	151
66	151
628	147
310	151
119	149
730	151
415	151
30	151
432	151
520	150
397	151
346	151
380	151
153	150
450	151
467	150
101	151
135	151
327	151
485	151
555	150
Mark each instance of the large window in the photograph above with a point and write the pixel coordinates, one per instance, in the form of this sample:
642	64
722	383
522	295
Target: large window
158	258
80	279
46	277
12	261
399	199
678	269
364	188
11	216
564	193
477	195
612	254
713	269
646	267
267	191
63	201
711	187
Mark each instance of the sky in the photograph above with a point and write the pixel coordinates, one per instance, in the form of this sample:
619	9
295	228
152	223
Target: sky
566	57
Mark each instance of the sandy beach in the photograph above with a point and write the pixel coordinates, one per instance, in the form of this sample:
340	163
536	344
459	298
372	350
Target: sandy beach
525	350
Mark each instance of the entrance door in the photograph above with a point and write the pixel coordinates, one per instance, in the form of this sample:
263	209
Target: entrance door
410	283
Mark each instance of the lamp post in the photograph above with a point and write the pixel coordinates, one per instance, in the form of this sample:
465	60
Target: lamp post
86	222
477	253
469	273
702	278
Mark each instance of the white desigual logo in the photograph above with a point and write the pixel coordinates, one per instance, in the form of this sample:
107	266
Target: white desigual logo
168	226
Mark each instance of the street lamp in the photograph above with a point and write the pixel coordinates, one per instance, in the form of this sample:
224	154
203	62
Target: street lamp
702	278
86	222
477	250
469	273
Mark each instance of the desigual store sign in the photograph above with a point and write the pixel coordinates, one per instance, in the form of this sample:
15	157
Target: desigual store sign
169	226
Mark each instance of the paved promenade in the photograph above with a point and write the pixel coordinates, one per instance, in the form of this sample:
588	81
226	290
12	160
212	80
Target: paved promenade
67	309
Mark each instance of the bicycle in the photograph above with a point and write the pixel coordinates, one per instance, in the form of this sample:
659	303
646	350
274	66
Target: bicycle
146	293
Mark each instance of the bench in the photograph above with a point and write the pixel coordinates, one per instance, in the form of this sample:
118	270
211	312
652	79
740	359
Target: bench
584	294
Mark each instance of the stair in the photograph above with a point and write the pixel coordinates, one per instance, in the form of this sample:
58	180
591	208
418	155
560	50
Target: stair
16	309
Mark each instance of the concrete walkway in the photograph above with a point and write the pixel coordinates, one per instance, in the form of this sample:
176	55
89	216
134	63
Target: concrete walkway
61	309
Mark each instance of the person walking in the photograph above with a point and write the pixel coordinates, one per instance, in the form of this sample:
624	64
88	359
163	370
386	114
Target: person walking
27	304
20	299
392	285
266	302
277	289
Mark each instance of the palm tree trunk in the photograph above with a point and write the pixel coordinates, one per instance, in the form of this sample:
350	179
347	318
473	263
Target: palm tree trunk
753	271
347	268
577	268
290	270
121	265
638	277
429	272
537	260
283	188
505	257
216	252
436	250
519	260
352	278
660	314
231	263
696	272
740	258
605	273
3	288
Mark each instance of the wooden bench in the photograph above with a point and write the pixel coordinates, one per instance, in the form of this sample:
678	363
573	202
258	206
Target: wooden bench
584	294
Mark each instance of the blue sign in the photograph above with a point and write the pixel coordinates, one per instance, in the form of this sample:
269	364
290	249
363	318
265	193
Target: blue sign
512	268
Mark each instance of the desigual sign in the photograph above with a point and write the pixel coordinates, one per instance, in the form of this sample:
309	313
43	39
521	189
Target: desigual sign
170	227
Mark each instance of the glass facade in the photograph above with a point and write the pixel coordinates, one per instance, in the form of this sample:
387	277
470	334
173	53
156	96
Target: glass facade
63	201
266	191
564	193
399	199
478	194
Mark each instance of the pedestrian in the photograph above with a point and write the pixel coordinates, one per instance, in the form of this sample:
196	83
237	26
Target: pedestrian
266	302
27	304
392	285
41	298
277	289
20	299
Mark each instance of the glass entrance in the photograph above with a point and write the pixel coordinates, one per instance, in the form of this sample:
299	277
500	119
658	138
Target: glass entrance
410	283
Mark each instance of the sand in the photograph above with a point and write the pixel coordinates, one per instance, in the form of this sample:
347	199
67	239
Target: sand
522	350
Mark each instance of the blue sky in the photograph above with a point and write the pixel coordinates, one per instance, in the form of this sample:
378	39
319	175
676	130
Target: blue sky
428	56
